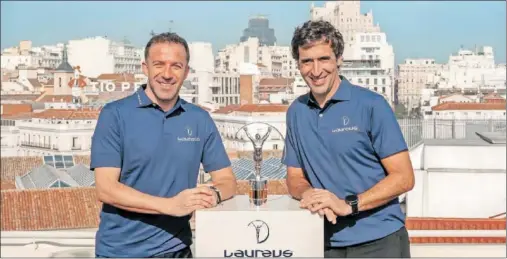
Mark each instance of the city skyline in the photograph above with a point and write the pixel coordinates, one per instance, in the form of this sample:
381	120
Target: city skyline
410	32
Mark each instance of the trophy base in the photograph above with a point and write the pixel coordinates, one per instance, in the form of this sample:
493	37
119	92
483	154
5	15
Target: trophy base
258	192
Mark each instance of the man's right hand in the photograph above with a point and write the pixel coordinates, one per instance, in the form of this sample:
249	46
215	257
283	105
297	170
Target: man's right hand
188	201
327	212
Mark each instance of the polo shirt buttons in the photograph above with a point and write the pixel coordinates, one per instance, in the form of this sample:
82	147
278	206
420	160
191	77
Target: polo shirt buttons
320	115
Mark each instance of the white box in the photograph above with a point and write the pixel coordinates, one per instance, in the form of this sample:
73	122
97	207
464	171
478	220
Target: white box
285	230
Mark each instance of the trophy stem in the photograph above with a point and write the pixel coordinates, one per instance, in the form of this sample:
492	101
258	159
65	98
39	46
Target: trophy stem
258	192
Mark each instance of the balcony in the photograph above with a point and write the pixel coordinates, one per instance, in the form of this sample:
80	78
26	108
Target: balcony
35	145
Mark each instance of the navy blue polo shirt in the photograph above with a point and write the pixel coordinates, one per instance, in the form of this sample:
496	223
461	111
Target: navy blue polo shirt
339	149
159	153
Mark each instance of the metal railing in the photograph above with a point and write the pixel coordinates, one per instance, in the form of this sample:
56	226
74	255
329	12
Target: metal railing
417	130
36	145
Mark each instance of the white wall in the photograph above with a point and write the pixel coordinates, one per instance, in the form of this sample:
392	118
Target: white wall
465	194
458	181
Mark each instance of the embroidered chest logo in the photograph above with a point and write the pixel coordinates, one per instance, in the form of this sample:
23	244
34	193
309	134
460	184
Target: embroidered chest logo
345	127
189	137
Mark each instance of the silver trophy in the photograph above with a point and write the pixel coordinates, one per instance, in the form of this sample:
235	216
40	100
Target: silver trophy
258	185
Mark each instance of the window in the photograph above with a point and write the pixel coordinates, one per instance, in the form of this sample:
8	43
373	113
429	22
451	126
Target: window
74	142
383	81
59	161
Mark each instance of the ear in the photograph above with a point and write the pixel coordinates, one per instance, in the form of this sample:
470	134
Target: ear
339	62
187	70
145	68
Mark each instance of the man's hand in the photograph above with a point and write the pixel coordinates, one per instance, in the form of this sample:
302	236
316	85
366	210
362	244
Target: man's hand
189	200
328	213
320	199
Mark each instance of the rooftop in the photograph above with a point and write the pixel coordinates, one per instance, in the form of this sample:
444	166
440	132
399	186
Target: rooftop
469	106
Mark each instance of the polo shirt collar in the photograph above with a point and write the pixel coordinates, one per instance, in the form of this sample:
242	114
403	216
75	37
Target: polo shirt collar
144	101
342	94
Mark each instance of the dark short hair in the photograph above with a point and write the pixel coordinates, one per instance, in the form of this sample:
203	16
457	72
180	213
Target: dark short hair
166	37
313	31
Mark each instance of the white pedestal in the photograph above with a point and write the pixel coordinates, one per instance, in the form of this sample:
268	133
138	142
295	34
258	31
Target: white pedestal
284	230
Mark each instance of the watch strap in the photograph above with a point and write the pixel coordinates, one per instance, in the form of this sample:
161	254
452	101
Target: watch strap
217	192
352	201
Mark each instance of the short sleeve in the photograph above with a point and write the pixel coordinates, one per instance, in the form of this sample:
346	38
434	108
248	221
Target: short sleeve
107	144
290	156
214	155
386	133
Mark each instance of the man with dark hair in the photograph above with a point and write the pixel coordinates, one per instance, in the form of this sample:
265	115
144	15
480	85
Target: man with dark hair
146	152
345	153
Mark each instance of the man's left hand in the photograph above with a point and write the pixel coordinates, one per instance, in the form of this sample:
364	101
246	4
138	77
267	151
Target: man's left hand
320	199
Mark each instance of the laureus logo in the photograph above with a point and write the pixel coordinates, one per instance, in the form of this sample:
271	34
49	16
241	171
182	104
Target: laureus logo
261	235
189	131
261	230
189	137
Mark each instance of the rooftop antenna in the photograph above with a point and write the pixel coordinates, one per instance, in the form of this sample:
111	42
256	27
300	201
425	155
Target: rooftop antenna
170	25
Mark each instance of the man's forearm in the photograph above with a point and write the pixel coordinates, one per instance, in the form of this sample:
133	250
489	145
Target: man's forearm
127	198
297	187
144	211
383	192
227	188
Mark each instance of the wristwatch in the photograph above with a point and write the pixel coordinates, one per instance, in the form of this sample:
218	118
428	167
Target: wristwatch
352	201
217	191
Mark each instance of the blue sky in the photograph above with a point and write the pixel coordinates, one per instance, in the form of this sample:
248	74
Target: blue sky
432	29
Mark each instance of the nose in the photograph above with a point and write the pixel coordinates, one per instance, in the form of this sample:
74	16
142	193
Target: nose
167	73
316	69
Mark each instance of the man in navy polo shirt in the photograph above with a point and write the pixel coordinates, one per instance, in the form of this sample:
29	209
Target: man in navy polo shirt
346	156
146	152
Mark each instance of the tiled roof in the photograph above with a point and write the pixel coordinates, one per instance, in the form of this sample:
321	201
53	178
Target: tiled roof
457	240
455	224
117	77
228	109
7	185
19	116
263	108
82	159
469	106
276	82
17	166
62	208
74	208
20	97
68	114
13	109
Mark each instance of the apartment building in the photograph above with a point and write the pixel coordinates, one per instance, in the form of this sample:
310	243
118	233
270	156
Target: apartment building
346	16
413	76
98	55
471	70
52	131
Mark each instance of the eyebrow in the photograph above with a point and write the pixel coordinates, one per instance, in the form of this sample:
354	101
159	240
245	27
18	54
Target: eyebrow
319	58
